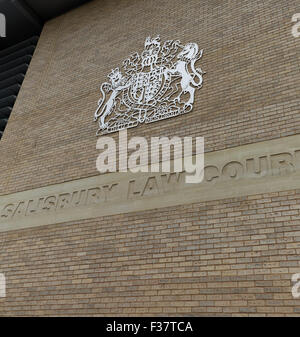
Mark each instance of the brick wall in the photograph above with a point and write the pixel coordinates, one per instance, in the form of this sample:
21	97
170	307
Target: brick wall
250	92
225	257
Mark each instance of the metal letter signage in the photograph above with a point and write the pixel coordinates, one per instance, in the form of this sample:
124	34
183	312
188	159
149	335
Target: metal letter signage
158	84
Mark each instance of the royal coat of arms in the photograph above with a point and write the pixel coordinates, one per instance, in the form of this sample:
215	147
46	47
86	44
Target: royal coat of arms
157	84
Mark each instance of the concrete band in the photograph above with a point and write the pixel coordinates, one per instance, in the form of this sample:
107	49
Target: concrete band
269	166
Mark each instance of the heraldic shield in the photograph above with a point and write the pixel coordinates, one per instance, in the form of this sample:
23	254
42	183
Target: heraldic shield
158	84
